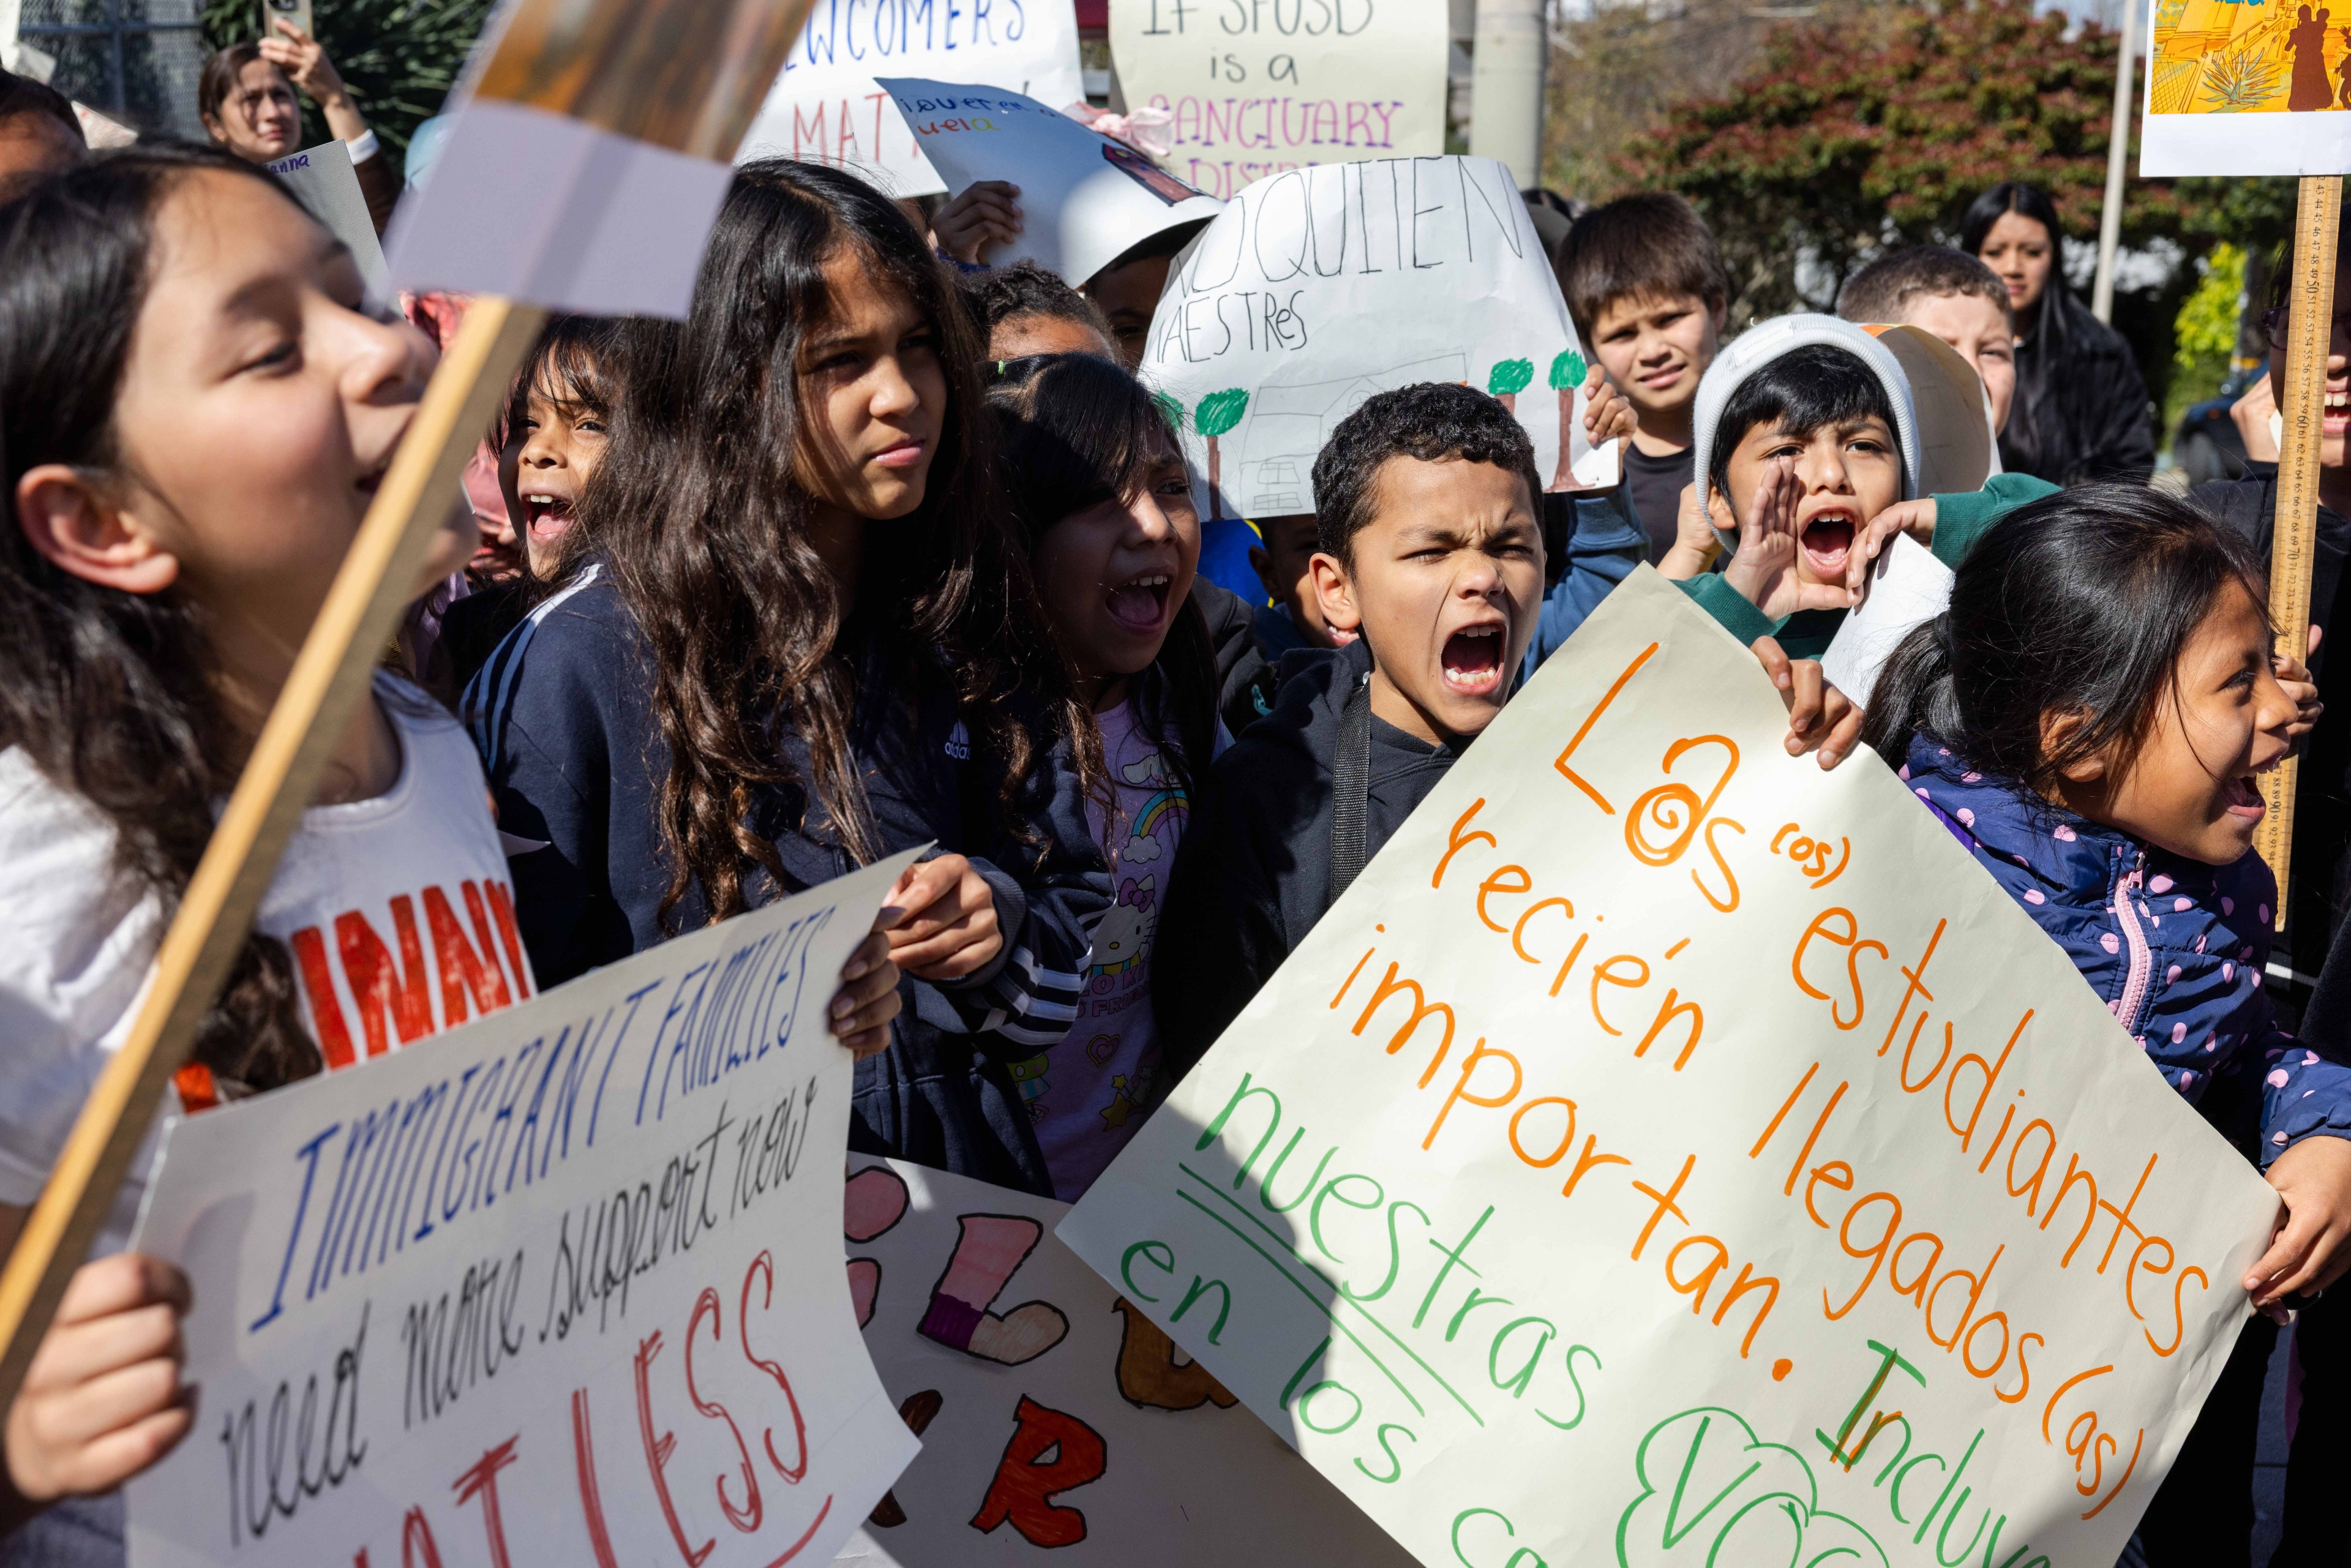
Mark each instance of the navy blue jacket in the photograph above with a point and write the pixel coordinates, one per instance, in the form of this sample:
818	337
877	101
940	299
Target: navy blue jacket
563	718
2174	948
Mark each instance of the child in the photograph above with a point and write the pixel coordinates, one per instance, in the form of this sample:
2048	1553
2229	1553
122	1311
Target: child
1432	554
797	633
549	441
1809	419
1127	291
1024	310
1950	294
1649	296
198	410
1283	559
1100	490
2089	718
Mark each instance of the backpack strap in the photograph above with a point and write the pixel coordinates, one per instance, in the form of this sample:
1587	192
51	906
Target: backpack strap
1351	789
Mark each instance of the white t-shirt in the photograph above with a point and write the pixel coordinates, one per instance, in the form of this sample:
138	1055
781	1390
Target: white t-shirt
396	910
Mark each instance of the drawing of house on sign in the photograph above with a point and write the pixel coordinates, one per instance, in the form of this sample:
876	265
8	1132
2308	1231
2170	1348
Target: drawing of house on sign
1286	425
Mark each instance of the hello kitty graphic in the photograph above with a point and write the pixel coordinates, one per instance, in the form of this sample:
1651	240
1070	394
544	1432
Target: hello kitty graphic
1122	940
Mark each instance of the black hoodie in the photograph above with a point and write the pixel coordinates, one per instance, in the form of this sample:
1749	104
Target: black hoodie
1254	872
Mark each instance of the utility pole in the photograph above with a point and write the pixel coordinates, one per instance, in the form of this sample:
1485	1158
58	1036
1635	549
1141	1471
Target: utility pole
1506	103
2110	217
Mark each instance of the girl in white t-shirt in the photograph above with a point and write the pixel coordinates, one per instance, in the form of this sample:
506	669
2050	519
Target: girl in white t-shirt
1101	492
197	408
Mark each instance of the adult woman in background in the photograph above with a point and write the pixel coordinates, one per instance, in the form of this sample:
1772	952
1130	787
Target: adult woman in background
2081	410
246	97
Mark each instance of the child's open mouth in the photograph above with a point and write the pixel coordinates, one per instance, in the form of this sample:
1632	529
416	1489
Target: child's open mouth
1473	660
2336	416
1827	542
545	516
2243	795
1140	603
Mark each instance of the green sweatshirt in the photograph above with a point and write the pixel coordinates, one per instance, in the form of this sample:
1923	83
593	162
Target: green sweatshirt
1959	522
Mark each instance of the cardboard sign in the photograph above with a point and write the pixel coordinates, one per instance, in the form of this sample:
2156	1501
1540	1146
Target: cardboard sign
1084	198
1667	1153
324	182
829	108
589	151
2222	72
1316	288
1258	87
997	1344
560	1285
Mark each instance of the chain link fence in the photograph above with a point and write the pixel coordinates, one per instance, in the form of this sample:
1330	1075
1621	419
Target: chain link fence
135	61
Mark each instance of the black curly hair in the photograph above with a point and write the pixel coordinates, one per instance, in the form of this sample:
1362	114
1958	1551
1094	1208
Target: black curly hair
1433	422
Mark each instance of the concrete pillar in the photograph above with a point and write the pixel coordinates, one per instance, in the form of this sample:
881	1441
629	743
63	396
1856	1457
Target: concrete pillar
1507	97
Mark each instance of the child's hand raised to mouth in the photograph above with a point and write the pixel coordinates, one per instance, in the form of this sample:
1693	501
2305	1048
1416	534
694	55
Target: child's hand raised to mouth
1915	518
1765	569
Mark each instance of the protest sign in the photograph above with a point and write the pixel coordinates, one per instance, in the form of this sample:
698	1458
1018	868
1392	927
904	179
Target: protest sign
2220	75
1257	87
1907	585
1084	198
1316	288
1667	1153
563	1284
590	151
998	1344
827	107
323	181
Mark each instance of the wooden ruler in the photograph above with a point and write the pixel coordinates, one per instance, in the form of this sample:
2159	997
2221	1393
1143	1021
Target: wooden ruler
2310	328
330	677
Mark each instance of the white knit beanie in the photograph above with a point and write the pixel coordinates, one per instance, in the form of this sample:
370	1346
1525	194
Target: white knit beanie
1768	341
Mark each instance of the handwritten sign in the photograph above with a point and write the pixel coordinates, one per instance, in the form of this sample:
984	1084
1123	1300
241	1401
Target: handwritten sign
1666	1153
1258	87
562	1285
1085	199
1058	1423
828	106
2220	73
324	182
1316	288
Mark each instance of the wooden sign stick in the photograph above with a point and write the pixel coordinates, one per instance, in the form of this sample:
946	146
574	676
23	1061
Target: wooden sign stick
329	676
2310	329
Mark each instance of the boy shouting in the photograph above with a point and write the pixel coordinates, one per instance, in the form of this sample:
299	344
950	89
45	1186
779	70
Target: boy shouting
1432	555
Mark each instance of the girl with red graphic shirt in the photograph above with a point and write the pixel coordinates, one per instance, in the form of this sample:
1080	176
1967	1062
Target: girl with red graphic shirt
198	408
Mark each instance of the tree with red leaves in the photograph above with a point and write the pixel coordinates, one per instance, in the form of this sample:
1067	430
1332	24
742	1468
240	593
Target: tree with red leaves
1879	126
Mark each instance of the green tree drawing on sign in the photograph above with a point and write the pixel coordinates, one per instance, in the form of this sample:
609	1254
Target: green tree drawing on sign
1170	410
1217	414
1567	371
1507	379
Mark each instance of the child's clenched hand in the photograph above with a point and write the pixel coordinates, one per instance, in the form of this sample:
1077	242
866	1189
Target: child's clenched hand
1607	416
1915	518
1820	717
2307	1253
1695	546
102	1399
941	920
1764	569
985	215
2293	678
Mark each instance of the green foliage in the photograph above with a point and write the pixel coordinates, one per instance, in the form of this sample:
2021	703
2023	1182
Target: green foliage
399	57
1880	126
2207	323
1567	370
1170	408
1220	411
2239	81
1511	377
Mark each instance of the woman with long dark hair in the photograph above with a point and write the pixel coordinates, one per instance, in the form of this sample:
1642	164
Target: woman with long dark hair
799	633
2080	410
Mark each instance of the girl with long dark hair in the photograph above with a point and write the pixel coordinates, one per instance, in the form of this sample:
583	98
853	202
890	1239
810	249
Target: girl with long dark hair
799	633
1101	494
2088	718
2081	410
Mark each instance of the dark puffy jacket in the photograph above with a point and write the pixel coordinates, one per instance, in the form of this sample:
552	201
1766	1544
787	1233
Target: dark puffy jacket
2174	948
2082	414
